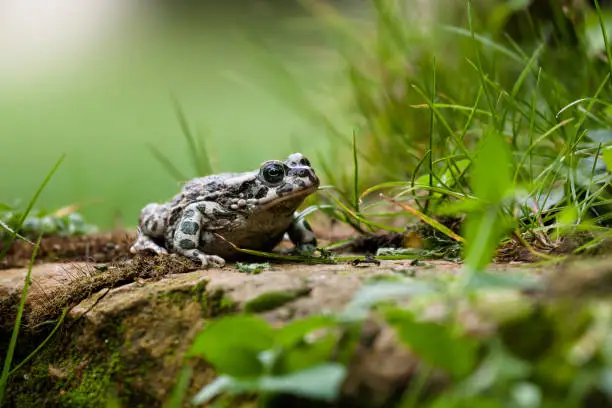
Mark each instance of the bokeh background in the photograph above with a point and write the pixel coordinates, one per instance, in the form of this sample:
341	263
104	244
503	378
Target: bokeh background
95	80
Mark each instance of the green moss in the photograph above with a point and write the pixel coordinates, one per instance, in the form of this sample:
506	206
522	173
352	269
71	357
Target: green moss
94	385
82	365
213	304
387	277
274	299
216	304
180	296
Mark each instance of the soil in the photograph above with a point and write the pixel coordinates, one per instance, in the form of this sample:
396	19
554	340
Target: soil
104	247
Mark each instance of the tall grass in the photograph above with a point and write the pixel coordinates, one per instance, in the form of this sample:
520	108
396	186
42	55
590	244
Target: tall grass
424	95
14	233
197	149
8	358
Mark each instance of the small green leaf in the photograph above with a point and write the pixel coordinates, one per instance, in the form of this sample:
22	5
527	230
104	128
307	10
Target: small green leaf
466	205
527	395
503	281
450	400
491	183
306	354
208	392
5	207
5	227
607	158
435	343
177	396
491	177
454	172
252	268
416	252
498	367
292	333
382	291
232	344
603	136
320	382
422	181
483	231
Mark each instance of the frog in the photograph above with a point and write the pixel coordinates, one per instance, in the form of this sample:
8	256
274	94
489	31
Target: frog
252	210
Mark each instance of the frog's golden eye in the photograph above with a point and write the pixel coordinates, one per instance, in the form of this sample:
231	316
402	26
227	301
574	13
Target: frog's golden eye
273	173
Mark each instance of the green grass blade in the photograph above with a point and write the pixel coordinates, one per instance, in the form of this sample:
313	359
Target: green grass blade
271	255
197	151
432	122
180	114
537	142
428	220
443	121
469	33
355	175
8	359
60	321
604	32
526	70
179	392
30	206
12	231
167	163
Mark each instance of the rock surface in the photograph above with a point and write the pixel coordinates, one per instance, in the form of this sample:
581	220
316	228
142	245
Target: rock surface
131	339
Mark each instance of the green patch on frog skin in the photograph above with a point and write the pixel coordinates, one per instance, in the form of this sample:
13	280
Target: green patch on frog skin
273	300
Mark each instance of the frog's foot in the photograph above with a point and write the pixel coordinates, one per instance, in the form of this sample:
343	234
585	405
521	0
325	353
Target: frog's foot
305	249
207	261
144	243
299	250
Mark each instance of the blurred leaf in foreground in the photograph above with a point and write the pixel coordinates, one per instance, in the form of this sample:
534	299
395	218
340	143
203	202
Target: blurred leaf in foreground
491	183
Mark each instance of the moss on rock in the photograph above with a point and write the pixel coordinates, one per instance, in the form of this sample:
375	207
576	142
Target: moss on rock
134	350
273	299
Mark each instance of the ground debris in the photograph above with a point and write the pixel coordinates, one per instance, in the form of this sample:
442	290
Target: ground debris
102	247
368	259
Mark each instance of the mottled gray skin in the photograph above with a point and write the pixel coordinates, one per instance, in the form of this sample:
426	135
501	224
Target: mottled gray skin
247	209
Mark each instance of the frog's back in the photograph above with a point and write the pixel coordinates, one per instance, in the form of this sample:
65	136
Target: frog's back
209	188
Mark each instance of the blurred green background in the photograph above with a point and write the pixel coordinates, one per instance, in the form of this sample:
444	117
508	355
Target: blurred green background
104	99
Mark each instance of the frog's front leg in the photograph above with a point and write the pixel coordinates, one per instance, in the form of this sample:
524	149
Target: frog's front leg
187	235
301	235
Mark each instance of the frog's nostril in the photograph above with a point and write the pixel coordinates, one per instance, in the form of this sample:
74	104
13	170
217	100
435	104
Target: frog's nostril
304	173
299	172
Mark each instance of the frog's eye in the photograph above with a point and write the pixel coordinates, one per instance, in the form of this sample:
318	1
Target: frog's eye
273	172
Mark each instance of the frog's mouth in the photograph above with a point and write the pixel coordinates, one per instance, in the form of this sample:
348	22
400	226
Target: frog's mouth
296	196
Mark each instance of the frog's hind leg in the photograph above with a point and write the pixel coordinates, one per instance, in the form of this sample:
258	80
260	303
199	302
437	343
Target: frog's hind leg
152	226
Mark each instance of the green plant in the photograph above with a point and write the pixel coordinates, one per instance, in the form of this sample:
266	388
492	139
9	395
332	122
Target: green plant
8	359
63	222
254	358
15	229
424	98
196	146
